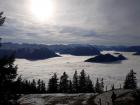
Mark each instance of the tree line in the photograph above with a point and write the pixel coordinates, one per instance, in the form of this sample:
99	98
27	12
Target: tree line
83	84
79	84
29	87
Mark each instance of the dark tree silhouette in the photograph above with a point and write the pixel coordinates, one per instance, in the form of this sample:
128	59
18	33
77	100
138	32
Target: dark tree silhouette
82	81
2	19
113	97
102	85
64	83
136	96
75	83
89	84
70	89
53	84
130	81
98	86
113	87
79	84
28	87
41	86
8	73
33	85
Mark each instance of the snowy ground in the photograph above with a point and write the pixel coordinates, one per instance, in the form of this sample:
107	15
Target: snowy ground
55	99
106	97
123	96
112	73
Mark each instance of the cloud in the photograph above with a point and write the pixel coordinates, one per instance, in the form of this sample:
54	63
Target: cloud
75	21
121	16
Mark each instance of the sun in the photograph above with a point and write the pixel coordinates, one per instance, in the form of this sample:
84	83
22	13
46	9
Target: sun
42	9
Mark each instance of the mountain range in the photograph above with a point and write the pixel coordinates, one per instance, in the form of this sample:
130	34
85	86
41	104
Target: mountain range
41	51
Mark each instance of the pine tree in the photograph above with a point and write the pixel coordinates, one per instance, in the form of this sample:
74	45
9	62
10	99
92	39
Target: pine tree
53	84
106	89
33	86
130	81
75	83
89	84
43	87
18	85
40	86
102	85
8	73
98	86
2	19
113	87
82	81
64	83
70	89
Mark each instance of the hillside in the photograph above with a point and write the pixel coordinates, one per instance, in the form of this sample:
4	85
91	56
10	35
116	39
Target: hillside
137	53
73	49
106	58
55	99
30	54
124	97
121	96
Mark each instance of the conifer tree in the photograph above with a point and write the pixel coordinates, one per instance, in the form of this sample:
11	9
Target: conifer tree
102	85
89	84
98	86
8	73
64	83
131	80
70	89
53	84
113	87
2	19
18	85
82	81
75	83
43	87
39	85
33	85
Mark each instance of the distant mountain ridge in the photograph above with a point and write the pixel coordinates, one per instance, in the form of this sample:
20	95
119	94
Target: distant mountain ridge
35	54
73	49
27	51
63	48
41	51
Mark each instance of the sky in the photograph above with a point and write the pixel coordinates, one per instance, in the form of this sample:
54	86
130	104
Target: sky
99	22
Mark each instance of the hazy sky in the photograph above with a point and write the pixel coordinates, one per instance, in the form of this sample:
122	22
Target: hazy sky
109	22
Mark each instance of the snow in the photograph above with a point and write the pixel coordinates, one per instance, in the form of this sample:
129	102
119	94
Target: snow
55	99
76	99
112	73
106	97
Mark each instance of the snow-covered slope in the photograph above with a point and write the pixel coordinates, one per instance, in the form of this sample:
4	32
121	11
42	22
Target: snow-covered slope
106	96
123	96
55	99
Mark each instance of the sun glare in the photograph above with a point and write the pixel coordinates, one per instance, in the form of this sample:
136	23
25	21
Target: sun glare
42	9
